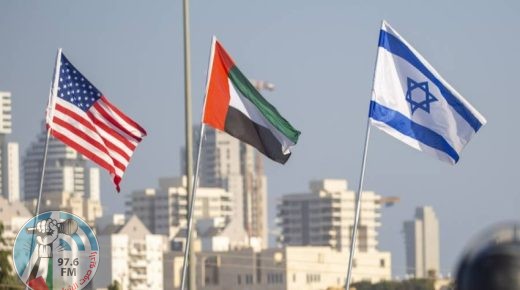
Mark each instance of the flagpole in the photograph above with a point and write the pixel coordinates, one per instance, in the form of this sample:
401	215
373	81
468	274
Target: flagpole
43	174
188	249
52	94
360	186
38	201
358	208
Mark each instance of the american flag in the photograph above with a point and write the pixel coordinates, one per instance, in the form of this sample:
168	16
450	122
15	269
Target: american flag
82	117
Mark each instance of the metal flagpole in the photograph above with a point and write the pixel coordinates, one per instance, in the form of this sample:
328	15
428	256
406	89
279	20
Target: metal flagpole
360	189
43	174
52	93
358	208
188	248
39	199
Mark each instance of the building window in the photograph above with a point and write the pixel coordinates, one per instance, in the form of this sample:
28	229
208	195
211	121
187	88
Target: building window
274	278
312	278
239	279
211	271
382	263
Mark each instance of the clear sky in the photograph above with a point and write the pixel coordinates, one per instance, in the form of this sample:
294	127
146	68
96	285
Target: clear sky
320	55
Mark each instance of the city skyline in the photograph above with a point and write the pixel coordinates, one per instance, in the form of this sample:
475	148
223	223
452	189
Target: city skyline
321	58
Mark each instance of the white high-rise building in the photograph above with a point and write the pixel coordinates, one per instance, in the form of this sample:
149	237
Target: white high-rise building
66	170
142	204
325	216
422	244
9	155
131	255
237	167
5	113
164	210
11	171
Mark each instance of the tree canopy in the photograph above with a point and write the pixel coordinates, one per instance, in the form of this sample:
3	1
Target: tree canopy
7	279
412	284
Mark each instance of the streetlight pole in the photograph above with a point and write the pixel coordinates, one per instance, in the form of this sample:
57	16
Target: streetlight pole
189	137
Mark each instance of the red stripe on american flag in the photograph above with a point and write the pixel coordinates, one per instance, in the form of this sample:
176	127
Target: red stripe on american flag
65	128
108	123
101	109
90	139
115	148
75	116
113	151
119	165
87	153
123	116
86	137
111	132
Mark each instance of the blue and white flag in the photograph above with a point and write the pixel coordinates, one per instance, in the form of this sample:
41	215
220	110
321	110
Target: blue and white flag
413	103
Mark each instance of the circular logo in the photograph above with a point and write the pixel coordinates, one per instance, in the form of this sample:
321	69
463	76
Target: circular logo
56	250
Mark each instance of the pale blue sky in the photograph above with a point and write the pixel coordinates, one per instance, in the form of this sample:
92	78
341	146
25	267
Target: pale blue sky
320	55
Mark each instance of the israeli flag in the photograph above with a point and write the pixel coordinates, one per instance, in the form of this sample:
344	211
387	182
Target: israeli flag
413	103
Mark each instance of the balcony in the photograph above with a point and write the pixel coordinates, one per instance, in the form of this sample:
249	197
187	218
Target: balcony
138	264
138	276
137	252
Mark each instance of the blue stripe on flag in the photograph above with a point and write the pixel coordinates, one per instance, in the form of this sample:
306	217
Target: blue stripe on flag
397	47
411	129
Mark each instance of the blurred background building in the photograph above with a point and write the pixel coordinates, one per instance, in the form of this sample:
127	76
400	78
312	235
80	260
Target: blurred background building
325	217
13	215
421	237
9	155
237	167
131	255
285	268
70	184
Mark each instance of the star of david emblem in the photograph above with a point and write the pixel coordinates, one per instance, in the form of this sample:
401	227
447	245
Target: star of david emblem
419	96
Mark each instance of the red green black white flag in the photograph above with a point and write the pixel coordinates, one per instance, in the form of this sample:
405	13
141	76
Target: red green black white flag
235	106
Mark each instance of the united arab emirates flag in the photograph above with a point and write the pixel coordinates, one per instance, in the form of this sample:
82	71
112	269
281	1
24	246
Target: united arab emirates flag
233	105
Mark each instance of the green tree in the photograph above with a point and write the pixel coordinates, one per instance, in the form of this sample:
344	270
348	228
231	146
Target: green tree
7	279
114	286
412	284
